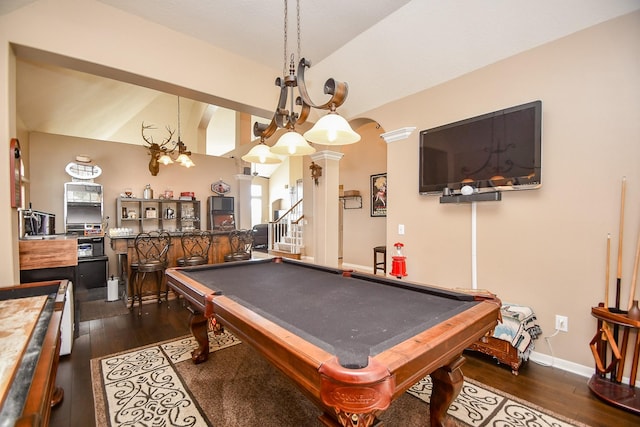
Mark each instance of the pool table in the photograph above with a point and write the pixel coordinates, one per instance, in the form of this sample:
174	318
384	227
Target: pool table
351	342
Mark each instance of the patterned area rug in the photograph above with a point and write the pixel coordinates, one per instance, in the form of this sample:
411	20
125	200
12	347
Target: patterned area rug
159	386
480	405
142	388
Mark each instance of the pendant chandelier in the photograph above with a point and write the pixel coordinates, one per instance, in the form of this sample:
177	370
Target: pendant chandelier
163	153
331	129
183	154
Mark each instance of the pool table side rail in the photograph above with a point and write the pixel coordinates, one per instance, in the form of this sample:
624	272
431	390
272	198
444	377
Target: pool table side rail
191	290
422	354
419	287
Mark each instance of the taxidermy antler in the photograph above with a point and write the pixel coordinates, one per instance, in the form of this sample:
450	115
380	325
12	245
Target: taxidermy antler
156	150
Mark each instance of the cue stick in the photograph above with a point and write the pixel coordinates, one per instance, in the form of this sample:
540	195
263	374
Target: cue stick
603	336
634	276
607	273
619	278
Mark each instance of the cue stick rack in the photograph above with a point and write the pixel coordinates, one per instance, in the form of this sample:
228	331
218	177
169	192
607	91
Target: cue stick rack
607	340
612	390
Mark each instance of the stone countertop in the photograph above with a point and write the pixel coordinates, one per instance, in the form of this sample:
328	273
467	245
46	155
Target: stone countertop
18	324
49	237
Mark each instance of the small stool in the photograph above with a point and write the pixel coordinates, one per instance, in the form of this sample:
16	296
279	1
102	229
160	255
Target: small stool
380	265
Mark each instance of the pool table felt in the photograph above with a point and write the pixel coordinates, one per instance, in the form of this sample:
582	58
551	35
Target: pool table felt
352	317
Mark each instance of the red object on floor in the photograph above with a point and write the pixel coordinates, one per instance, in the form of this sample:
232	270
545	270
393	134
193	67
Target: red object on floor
399	263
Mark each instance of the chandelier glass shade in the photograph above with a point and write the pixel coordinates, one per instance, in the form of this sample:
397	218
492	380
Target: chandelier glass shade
185	160
292	144
165	159
332	131
261	154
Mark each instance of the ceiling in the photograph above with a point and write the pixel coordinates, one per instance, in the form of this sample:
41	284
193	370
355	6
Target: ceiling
398	47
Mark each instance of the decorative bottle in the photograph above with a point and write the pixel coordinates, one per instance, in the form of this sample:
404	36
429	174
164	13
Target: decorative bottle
148	192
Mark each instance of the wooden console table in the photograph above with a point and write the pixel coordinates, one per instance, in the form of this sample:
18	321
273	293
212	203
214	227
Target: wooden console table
611	389
30	316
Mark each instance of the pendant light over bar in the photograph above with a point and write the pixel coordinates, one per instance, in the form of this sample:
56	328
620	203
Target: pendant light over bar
330	130
161	153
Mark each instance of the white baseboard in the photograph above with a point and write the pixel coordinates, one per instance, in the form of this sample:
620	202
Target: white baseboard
356	267
565	365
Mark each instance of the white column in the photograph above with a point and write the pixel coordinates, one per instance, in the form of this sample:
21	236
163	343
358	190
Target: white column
325	208
243	204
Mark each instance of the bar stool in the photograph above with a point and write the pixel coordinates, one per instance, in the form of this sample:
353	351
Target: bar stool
195	247
380	265
241	242
151	249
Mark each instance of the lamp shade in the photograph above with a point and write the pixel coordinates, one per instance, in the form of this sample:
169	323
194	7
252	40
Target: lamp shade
165	159
261	154
183	159
332	129
292	144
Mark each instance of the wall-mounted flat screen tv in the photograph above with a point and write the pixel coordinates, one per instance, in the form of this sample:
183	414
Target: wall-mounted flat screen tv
492	152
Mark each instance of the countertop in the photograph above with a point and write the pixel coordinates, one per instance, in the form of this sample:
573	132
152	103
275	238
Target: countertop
50	237
171	233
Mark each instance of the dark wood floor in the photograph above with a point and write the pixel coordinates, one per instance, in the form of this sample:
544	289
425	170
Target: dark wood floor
547	387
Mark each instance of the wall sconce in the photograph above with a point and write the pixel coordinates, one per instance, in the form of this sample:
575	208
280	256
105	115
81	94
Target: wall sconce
316	172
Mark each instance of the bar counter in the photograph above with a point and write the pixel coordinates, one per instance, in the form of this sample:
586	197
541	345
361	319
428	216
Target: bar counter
123	246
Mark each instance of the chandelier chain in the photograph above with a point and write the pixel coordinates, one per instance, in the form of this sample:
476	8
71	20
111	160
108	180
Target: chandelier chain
293	79
286	19
298	19
178	118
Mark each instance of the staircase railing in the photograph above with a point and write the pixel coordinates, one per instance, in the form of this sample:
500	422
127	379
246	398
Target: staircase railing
286	233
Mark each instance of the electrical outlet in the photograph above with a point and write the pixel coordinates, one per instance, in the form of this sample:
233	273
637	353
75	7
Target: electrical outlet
562	323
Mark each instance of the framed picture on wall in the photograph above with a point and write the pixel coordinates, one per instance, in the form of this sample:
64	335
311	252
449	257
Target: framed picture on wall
379	194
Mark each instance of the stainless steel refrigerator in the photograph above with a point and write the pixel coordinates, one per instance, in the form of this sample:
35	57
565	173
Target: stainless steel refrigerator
83	212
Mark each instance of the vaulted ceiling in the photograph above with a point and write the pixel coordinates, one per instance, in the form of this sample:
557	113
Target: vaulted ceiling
386	50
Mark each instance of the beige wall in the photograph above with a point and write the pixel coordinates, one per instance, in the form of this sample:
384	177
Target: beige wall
123	166
544	248
361	231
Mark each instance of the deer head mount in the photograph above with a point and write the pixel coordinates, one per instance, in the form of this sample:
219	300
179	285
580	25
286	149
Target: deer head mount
157	150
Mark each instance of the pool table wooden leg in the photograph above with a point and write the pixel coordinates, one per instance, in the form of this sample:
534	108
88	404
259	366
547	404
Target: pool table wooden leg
447	383
198	326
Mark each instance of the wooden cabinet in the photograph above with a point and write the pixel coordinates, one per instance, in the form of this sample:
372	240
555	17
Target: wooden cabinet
502	350
48	253
157	214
